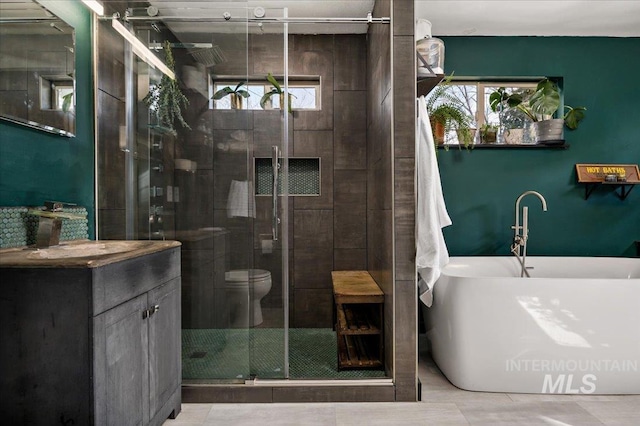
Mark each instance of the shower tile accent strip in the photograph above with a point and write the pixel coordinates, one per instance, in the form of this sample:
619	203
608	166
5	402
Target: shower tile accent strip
304	176
19	228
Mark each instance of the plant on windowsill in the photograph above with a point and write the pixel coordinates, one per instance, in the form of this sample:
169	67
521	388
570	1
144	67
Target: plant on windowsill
488	133
540	107
276	90
447	112
166	98
236	95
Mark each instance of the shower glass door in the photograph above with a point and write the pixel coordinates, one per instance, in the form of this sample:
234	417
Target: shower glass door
201	185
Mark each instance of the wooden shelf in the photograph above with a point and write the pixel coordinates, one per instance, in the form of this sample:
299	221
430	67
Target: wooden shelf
358	352
358	320
426	84
505	146
593	176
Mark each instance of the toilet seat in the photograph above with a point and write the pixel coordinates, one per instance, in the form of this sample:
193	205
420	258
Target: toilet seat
246	275
245	288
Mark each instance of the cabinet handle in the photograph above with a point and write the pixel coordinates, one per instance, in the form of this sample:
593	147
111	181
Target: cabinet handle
148	312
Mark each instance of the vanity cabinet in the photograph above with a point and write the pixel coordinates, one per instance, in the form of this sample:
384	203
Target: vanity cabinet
92	343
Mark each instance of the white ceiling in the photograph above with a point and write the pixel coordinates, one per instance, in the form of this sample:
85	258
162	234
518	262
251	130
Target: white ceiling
615	18
607	18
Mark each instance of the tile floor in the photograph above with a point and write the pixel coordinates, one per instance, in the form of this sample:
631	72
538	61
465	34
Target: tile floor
442	404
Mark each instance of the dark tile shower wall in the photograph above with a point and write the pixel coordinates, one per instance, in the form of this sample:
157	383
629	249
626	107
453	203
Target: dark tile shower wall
225	143
330	230
111	115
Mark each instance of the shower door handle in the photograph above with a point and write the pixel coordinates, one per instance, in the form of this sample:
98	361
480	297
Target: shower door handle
274	200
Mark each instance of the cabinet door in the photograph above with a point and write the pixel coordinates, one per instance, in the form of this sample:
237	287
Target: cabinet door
165	363
121	365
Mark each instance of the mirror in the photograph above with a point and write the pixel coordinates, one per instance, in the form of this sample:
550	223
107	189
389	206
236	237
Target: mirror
37	68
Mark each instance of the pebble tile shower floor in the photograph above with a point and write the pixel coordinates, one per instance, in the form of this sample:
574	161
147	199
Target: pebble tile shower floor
239	353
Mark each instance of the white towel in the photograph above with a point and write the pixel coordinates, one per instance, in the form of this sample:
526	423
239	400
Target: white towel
431	216
241	202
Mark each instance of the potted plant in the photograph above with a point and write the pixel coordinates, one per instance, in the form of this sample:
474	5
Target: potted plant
236	95
512	121
276	90
166	98
488	133
540	107
447	112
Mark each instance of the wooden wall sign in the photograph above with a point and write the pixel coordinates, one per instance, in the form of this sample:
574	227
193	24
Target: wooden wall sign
597	173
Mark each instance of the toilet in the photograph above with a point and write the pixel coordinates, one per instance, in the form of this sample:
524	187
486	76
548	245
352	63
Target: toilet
245	289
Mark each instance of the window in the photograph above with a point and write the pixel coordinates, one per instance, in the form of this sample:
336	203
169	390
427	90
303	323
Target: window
56	93
472	98
304	91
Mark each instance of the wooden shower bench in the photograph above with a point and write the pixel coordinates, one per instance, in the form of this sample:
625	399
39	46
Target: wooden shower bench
358	316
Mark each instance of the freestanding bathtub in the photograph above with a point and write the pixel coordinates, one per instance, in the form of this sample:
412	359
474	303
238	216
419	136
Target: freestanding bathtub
573	327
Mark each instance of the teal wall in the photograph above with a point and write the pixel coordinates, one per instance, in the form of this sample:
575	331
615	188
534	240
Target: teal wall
481	186
36	166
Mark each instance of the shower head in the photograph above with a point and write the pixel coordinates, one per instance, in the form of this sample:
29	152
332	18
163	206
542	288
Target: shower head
205	53
208	57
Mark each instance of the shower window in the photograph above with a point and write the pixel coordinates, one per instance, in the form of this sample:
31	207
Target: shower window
305	92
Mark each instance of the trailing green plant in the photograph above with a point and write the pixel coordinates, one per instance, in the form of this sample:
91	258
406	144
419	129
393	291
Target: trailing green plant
226	91
541	105
447	109
166	97
276	90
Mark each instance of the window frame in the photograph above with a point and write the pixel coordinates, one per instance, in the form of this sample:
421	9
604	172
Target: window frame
482	100
218	81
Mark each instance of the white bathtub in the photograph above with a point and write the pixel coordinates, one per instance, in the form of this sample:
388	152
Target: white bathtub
573	327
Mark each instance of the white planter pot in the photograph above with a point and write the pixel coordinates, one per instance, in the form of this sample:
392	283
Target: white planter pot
549	130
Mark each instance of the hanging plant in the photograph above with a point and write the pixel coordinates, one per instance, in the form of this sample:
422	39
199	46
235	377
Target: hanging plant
166	97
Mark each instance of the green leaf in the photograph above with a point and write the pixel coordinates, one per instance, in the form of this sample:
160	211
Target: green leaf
242	93
222	93
495	99
239	86
266	97
274	82
546	100
573	117
514	100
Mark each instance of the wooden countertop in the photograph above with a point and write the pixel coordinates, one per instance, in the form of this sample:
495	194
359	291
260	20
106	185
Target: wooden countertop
81	253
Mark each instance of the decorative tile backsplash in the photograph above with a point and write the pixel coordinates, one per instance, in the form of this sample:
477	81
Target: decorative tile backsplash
19	228
304	176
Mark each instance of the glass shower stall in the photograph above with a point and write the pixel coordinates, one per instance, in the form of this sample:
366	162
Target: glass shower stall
221	183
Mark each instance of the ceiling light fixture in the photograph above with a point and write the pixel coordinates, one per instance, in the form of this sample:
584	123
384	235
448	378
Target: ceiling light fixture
94	5
141	50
